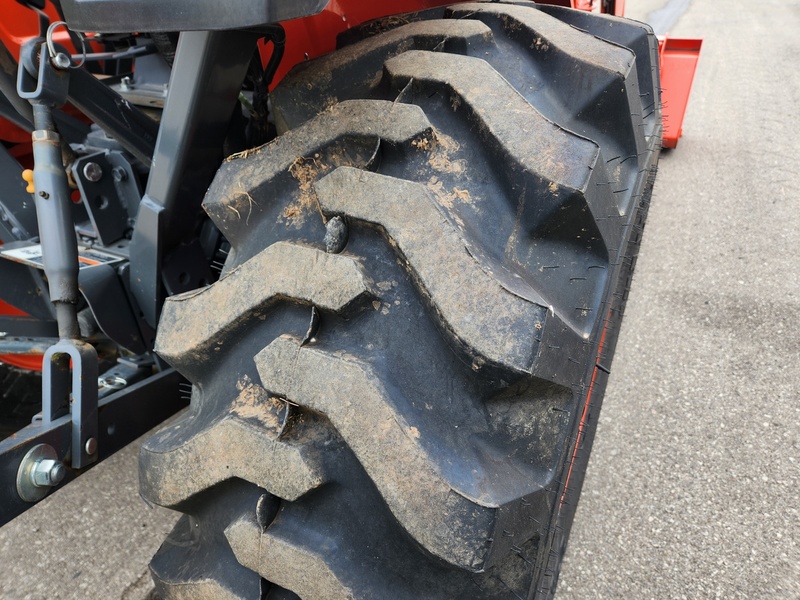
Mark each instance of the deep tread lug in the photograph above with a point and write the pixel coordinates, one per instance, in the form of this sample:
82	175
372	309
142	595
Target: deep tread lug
436	257
284	563
639	38
230	201
282	271
442	520
370	55
456	524
563	168
608	83
195	561
247	444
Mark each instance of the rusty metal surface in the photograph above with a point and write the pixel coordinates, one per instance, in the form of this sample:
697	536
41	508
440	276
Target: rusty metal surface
25	345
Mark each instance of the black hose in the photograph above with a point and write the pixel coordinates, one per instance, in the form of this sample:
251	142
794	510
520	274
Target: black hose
277	36
260	131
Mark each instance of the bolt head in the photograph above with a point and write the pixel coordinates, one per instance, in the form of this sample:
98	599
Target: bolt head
91	446
61	61
119	174
48	473
92	171
57	473
112	382
39	470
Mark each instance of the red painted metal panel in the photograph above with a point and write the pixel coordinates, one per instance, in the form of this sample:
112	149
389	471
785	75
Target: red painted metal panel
678	58
19	23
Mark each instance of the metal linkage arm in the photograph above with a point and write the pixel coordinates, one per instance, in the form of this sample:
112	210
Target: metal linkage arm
69	370
207	76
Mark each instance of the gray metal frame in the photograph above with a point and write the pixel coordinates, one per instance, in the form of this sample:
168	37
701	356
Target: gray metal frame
77	426
121	418
209	69
17	212
182	15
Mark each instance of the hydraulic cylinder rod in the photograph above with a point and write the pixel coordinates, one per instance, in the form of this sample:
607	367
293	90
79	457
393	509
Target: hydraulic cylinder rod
56	230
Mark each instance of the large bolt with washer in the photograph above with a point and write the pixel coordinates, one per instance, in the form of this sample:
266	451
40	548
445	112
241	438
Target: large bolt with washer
39	471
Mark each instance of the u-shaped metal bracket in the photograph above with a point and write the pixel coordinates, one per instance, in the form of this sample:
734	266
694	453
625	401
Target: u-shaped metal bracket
69	386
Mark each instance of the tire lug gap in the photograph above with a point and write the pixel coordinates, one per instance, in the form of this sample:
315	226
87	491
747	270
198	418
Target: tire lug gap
313	327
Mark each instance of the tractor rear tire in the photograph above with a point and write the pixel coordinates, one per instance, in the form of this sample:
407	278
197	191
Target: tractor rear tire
397	379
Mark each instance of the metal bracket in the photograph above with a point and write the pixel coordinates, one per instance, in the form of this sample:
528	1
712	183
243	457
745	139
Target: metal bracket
72	392
104	292
23	285
123	416
17	212
126	183
126	372
31	345
25	326
50	86
17	326
93	174
194	125
133	129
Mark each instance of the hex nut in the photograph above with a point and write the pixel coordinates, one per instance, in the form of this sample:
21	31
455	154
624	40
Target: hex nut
48	472
38	472
111	382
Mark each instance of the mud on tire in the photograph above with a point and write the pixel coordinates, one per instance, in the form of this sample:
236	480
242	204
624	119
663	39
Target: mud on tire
397	378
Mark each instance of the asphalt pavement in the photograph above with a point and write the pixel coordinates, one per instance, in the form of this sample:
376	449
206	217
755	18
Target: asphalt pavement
692	489
91	540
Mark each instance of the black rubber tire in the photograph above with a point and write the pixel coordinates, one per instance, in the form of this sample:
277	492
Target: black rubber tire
398	376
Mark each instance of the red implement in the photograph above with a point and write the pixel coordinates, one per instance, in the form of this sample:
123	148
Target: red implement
678	58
